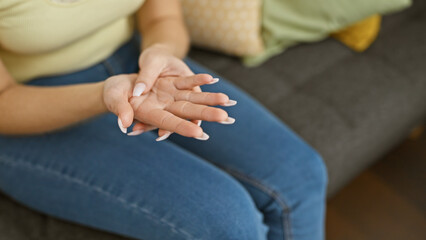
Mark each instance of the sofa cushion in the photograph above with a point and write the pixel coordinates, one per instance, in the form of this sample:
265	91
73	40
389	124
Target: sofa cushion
229	26
352	107
286	23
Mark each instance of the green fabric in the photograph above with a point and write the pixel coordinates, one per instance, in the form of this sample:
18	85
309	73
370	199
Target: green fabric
288	22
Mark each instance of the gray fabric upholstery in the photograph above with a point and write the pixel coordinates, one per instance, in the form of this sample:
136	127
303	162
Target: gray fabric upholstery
351	107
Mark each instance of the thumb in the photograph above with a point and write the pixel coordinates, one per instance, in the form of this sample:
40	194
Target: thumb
125	115
146	79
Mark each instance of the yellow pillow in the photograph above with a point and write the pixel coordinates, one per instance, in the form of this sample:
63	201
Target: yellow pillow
229	26
361	35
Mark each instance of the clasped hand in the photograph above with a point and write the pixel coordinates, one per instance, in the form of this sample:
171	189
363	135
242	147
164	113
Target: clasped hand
165	94
172	105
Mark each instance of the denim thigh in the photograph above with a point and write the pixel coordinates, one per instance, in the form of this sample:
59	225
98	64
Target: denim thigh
92	174
286	177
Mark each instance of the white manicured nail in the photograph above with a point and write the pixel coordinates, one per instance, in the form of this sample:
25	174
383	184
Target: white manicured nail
120	125
230	103
214	80
138	90
136	133
229	120
204	137
164	137
199	122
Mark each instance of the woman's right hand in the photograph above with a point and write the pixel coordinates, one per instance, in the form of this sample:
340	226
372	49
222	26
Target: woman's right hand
168	104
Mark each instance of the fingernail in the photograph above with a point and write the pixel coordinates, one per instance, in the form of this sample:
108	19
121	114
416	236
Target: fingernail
204	137
135	133
230	103
214	80
164	137
138	90
229	120
120	125
199	123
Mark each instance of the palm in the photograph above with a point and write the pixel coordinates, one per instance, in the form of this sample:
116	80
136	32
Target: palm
169	104
160	97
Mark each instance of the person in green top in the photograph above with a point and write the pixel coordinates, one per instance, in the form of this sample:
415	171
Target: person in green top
249	177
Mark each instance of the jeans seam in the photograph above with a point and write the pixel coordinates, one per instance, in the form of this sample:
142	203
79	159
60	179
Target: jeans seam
99	190
286	210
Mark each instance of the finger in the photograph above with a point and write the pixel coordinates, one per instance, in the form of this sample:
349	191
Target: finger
163	135
186	83
197	89
147	76
143	126
198	122
190	110
124	111
205	98
230	103
167	121
140	128
116	97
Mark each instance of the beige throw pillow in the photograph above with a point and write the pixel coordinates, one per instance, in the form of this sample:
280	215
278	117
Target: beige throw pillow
229	26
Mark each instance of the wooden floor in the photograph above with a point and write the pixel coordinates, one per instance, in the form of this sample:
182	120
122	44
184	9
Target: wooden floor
387	201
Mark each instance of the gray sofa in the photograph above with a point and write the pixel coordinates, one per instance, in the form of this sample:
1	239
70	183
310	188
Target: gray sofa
351	107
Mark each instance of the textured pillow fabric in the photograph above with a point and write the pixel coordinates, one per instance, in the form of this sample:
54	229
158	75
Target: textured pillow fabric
230	26
288	22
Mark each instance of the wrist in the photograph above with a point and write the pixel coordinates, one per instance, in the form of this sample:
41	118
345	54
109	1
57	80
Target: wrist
163	47
171	48
99	94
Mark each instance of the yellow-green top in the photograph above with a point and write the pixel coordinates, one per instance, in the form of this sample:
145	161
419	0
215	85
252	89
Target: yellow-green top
48	37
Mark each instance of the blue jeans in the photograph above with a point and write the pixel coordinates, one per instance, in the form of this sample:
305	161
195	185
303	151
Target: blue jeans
253	180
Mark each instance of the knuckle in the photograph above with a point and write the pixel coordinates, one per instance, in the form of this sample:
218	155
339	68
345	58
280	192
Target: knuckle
205	113
180	128
166	120
183	107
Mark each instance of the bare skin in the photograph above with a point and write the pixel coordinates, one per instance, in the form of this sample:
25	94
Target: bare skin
33	110
169	104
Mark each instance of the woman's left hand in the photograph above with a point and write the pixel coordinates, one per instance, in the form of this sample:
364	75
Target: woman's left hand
154	62
158	61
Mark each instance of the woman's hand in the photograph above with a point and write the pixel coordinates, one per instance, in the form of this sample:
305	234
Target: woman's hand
158	61
167	105
116	94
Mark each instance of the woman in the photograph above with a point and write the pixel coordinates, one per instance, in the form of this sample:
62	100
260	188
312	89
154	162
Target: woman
67	62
